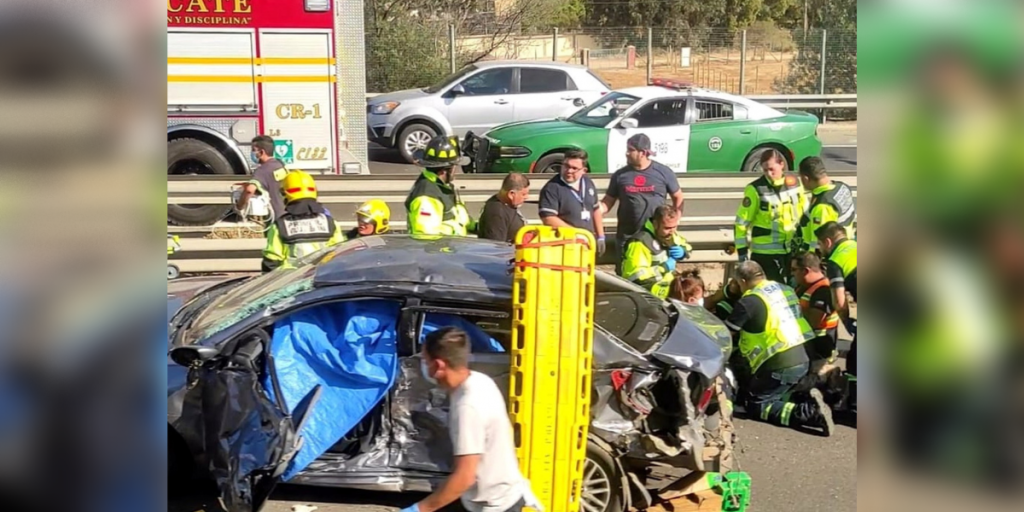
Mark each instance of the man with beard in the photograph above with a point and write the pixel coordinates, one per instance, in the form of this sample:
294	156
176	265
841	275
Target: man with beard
570	199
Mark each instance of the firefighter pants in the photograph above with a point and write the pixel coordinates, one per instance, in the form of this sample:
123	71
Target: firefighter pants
776	266
769	398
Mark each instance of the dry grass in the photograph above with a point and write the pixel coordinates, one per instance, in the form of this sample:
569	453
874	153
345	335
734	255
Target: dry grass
719	70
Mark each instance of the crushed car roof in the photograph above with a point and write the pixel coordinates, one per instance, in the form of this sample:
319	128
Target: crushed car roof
448	261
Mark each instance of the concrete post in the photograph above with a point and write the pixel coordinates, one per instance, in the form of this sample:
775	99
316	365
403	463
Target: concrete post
554	45
743	62
650	53
631	57
451	47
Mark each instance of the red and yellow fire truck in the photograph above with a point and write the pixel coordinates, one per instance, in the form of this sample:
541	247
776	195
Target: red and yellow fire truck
241	68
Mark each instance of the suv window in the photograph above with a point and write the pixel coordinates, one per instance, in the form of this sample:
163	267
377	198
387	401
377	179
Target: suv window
491	81
713	111
665	112
536	80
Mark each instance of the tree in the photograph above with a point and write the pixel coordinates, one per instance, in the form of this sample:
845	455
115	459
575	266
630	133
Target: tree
839	19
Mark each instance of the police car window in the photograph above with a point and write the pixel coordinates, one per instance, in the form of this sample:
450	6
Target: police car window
665	112
491	81
713	111
537	80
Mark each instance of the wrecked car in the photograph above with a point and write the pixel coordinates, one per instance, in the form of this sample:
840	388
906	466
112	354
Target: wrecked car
311	375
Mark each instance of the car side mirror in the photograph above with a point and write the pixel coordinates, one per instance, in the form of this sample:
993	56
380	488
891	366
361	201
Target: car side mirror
629	122
457	90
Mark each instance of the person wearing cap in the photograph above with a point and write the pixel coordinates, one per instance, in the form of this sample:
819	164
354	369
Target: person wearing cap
372	218
570	199
433	205
768	218
641	186
305	226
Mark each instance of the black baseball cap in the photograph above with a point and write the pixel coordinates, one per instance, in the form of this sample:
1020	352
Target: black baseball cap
640	142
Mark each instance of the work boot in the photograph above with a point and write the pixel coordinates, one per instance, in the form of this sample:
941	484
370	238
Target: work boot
824	413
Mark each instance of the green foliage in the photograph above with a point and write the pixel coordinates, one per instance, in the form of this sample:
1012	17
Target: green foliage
550	14
403	53
839	20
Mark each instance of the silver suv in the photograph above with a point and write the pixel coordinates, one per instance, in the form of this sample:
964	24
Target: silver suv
477	98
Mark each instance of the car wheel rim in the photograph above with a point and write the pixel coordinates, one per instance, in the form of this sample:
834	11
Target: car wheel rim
597	487
416	140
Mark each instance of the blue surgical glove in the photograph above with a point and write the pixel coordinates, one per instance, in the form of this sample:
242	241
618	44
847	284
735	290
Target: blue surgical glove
676	252
743	254
411	508
670	264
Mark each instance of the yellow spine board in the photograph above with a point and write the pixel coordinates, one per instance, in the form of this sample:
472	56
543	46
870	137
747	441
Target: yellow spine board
552	346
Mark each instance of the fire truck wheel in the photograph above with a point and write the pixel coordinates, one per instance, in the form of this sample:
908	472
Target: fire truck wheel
413	137
195	157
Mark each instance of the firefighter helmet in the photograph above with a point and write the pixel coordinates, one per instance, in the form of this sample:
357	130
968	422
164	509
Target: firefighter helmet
298	185
377	211
441	151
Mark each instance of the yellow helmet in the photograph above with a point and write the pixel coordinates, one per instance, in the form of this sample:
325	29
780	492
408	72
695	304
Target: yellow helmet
377	211
298	185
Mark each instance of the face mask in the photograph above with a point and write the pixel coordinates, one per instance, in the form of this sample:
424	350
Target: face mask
255	159
425	370
700	302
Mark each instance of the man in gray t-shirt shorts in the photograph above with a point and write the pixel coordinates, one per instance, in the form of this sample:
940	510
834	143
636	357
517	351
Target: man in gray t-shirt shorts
485	473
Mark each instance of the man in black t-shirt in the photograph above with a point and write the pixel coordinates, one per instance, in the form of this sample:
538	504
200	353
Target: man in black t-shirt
570	199
265	178
640	187
501	219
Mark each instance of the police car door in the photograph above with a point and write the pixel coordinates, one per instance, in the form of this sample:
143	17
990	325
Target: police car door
663	120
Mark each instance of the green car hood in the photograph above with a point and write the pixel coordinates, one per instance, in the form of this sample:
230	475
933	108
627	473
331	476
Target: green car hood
514	134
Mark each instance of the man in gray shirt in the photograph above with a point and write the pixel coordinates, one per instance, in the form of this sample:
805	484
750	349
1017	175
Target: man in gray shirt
266	176
485	472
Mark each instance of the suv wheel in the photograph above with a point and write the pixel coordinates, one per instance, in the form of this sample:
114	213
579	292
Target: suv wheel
413	137
602	485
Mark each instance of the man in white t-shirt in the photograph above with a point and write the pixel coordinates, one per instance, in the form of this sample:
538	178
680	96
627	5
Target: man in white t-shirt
485	473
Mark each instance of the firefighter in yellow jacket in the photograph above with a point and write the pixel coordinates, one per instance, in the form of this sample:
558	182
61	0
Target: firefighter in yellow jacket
768	218
650	256
305	226
433	204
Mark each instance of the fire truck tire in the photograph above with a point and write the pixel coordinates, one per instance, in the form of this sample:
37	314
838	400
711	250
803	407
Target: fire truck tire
202	158
413	137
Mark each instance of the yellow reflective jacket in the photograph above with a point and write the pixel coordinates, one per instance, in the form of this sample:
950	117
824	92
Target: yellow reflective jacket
643	261
829	203
290	238
435	209
786	327
770	216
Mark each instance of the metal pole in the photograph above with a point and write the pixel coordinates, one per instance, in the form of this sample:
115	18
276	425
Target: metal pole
554	45
743	62
650	53
823	34
451	46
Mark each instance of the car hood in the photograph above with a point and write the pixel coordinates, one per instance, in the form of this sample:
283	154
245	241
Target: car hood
515	133
699	342
407	94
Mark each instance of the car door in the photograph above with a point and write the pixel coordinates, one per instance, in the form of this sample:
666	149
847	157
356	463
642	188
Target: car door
720	136
419	409
481	101
665	121
545	93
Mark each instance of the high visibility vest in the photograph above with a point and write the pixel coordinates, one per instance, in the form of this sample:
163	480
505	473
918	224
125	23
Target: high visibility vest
643	261
830	321
435	208
786	327
832	202
770	216
290	238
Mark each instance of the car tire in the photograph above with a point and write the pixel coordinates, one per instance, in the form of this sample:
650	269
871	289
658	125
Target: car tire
602	484
421	133
206	159
753	161
550	164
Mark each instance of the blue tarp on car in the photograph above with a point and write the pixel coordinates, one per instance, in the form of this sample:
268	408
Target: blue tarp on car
349	349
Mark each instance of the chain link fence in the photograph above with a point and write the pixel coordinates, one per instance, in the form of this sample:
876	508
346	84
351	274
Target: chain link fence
760	60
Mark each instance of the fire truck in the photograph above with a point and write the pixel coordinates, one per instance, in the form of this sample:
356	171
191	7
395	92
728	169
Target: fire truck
240	68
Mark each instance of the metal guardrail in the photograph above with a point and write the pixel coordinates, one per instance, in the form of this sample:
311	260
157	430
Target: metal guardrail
784	101
711	237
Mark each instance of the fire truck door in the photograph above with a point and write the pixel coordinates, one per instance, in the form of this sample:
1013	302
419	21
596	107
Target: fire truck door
298	97
210	69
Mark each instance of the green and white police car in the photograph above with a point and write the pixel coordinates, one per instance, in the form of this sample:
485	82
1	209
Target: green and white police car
691	130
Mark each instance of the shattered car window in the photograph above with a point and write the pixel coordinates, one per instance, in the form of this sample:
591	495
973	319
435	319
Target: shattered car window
260	292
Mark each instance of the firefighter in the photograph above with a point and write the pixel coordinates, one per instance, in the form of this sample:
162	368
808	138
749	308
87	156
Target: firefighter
772	332
768	217
841	269
650	256
305	226
818	308
830	201
433	205
372	218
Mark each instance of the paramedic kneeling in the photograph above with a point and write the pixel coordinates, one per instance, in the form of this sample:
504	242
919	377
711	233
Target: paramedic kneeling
485	472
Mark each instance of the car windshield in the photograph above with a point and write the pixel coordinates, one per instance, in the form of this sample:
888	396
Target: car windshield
450	79
604	110
256	294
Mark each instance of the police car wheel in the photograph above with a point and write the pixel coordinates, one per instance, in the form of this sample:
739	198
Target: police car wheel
753	161
550	164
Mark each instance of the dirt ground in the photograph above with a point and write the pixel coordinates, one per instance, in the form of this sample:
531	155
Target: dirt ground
720	70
